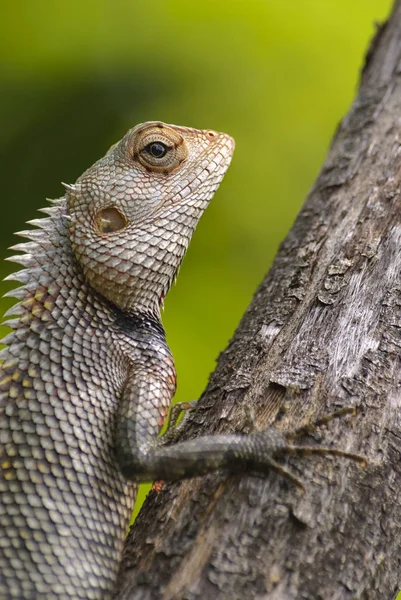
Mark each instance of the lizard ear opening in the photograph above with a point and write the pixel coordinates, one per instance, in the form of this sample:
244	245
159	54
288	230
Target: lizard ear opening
110	220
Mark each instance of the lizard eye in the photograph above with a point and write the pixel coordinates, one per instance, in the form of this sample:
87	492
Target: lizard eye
156	149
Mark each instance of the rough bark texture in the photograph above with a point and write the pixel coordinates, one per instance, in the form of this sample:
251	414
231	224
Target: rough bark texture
323	331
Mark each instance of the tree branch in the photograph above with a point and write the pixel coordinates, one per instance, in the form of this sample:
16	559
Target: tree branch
323	332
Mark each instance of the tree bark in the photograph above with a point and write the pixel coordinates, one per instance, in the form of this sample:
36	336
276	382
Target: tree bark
323	332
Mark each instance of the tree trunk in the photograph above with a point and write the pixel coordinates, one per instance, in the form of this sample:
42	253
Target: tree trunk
323	332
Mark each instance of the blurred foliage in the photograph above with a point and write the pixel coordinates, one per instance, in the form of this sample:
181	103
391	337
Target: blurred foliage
278	75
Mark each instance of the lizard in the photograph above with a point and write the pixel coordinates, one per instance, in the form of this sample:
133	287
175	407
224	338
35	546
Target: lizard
87	377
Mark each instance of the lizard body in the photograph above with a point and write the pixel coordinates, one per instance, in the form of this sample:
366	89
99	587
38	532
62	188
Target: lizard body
87	377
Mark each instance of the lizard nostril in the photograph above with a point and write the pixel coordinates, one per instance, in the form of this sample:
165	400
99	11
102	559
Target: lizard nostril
211	134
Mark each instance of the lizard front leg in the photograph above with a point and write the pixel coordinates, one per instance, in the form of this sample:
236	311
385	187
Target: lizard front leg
143	456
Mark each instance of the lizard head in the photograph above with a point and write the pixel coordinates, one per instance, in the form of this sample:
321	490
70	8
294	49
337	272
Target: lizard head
132	214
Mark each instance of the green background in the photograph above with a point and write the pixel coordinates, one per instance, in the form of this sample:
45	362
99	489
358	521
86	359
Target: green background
278	75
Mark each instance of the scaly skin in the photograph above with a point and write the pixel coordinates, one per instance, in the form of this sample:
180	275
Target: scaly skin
87	377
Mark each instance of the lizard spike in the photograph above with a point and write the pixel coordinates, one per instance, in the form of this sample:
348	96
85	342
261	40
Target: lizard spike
14	311
26	247
70	187
26	260
4	352
41	223
22	276
31	234
12	323
56	201
8	339
17	293
49	210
